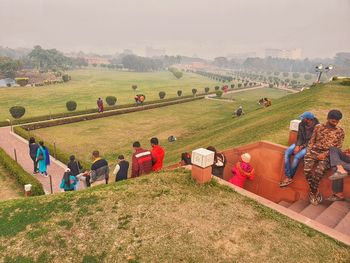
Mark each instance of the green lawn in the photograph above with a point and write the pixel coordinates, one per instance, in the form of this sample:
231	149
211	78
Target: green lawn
256	94
163	217
89	84
197	124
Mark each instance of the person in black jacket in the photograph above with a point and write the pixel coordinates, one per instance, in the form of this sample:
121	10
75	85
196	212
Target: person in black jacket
121	169
298	149
74	166
33	149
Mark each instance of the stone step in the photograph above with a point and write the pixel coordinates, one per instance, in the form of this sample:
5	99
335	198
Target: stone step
313	211
299	205
285	204
333	214
344	225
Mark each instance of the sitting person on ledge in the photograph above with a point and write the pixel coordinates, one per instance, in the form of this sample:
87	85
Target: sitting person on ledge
242	171
340	163
324	137
298	149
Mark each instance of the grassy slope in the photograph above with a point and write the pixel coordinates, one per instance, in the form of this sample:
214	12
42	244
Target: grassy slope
9	189
87	85
115	135
158	218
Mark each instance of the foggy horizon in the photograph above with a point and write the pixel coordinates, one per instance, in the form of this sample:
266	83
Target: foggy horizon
207	30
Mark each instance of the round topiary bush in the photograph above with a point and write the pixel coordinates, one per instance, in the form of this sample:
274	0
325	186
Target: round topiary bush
22	81
206	90
232	86
178	74
65	78
194	91
17	111
217	87
71	105
219	93
179	93
162	95
134	87
111	100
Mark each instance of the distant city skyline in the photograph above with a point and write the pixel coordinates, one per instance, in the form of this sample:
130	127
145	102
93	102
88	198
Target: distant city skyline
320	28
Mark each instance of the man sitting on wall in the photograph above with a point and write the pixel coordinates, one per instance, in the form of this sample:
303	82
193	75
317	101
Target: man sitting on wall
340	163
324	137
298	149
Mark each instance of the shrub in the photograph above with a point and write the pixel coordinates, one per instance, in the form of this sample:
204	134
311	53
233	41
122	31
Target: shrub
71	105
276	73
270	85
232	86
218	93
178	74
179	93
65	77
21	176
111	100
194	91
217	87
285	74
206	90
94	65
134	87
307	76
296	75
22	81
162	95
239	85
17	111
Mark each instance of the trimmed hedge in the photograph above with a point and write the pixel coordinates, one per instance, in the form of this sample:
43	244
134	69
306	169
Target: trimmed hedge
17	111
21	176
88	111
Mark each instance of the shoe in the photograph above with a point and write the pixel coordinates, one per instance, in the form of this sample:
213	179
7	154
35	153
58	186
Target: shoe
45	174
312	198
334	198
337	175
319	198
286	182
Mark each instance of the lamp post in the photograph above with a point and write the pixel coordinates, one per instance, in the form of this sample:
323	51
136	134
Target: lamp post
10	123
320	70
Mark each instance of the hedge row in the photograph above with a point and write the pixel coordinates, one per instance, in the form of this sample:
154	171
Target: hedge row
87	111
21	176
40	125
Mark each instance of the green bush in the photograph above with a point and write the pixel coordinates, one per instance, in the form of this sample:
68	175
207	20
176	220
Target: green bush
162	95
22	81
232	86
219	93
134	87
239	85
217	88
285	74
111	100
178	74
206	90
179	93
65	78
270	85
194	91
21	176
71	105
296	75
17	111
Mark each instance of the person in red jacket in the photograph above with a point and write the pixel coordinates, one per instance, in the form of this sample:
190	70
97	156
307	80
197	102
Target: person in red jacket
242	171
157	155
141	161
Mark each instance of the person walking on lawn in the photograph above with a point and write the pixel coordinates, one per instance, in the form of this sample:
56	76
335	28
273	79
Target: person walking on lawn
141	161
298	149
340	163
157	153
324	137
100	105
33	150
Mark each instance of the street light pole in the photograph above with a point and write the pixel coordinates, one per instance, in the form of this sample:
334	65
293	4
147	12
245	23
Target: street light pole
320	70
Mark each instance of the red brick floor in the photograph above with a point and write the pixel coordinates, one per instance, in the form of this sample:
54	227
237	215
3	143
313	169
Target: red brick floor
10	141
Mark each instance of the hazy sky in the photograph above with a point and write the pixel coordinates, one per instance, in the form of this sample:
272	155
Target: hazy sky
206	28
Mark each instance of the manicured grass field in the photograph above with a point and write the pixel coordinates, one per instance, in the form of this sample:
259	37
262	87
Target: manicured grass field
115	135
163	217
256	94
89	84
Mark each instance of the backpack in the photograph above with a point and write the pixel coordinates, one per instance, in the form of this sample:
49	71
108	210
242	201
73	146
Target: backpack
186	158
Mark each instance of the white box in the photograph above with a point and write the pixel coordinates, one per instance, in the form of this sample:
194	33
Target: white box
294	125
202	157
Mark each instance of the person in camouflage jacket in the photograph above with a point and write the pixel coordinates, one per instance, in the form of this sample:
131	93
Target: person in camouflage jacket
323	138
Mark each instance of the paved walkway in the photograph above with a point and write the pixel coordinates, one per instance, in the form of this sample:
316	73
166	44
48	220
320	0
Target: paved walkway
10	141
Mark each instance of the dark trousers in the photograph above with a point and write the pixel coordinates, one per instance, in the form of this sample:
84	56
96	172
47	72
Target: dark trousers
337	157
314	177
35	163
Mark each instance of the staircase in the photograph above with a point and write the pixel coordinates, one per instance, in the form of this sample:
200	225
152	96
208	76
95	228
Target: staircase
335	215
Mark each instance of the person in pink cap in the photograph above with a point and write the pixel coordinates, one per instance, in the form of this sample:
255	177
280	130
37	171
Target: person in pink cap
242	171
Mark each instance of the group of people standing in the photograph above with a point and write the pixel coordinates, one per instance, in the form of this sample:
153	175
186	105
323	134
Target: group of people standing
320	147
143	162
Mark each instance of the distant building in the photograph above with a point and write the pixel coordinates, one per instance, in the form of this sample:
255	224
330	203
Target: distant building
97	60
283	53
242	55
153	52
